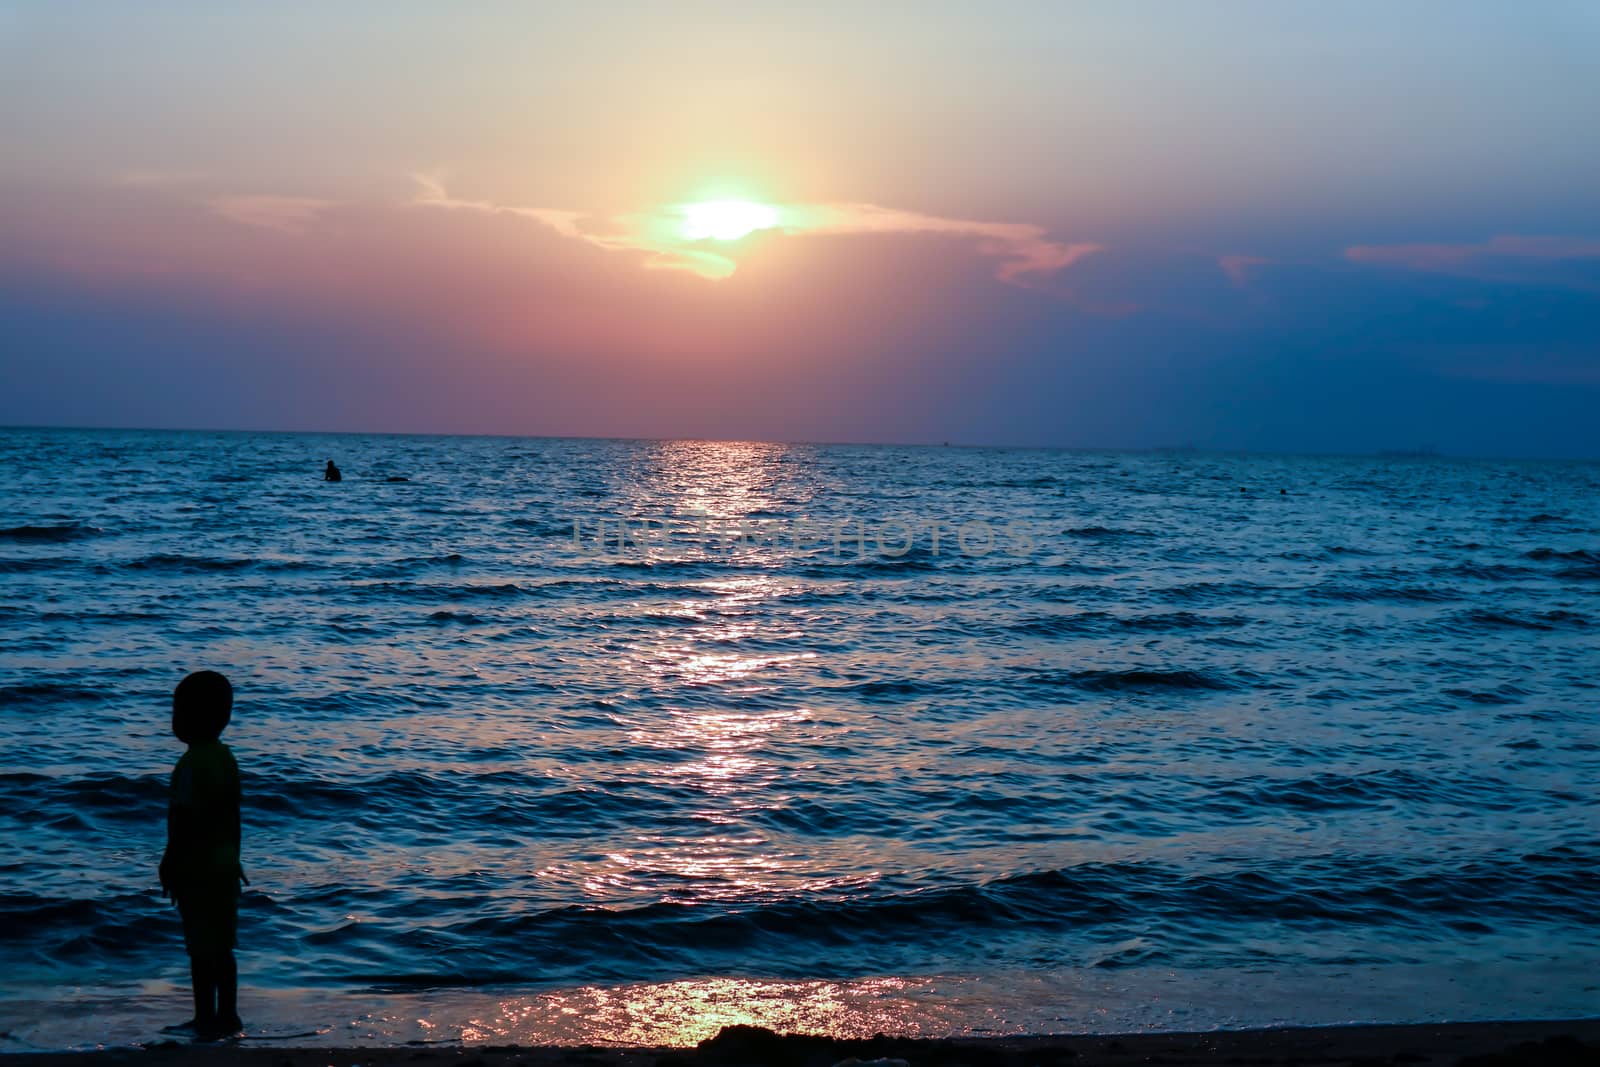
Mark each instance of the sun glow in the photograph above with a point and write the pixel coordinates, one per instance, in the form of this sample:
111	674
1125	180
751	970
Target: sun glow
726	220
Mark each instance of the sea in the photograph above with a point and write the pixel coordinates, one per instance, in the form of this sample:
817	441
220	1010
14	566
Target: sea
608	741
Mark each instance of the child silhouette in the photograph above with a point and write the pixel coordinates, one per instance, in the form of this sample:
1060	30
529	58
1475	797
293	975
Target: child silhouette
200	868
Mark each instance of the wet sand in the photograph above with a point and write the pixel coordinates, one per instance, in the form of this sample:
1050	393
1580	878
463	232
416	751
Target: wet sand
1566	1043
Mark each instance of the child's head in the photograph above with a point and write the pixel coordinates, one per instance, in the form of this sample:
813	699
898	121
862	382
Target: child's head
201	707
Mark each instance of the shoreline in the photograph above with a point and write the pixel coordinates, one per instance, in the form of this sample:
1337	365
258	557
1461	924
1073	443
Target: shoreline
1543	1043
682	1015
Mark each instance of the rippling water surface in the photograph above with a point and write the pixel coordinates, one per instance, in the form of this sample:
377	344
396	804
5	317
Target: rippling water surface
1141	741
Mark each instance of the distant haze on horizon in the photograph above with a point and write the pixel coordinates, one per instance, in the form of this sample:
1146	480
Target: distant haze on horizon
1251	226
1423	453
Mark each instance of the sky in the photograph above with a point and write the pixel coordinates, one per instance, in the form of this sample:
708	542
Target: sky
1277	226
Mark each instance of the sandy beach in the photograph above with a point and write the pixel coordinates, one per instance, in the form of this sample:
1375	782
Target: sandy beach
1558	1043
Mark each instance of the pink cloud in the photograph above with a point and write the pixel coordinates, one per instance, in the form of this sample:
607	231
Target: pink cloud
661	254
1473	259
158	179
1022	248
1237	268
1027	256
291	214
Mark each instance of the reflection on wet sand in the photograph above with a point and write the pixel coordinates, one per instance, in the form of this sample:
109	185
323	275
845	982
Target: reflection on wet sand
687	1012
683	1013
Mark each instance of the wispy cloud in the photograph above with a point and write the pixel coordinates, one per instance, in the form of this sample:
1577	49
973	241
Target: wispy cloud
431	192
158	179
1236	268
290	214
636	233
1026	255
1504	258
1025	252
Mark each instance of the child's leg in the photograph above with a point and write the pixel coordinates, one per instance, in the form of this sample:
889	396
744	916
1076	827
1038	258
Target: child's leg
227	979
202	980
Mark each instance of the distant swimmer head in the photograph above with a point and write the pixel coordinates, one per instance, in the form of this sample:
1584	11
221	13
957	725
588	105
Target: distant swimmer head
202	705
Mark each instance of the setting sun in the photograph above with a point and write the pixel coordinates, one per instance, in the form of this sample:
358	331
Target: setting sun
726	220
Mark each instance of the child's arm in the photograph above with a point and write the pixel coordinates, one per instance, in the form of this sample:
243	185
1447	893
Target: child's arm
234	791
165	872
181	829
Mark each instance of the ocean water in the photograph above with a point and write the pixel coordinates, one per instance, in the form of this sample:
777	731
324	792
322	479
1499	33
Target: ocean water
921	740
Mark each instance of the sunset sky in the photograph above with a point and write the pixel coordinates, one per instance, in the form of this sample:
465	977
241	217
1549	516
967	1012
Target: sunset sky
1277	225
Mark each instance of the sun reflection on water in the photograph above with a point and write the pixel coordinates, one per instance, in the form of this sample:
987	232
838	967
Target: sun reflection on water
708	700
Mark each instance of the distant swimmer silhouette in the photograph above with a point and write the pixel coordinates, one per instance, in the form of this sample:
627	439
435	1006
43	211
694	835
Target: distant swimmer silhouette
332	473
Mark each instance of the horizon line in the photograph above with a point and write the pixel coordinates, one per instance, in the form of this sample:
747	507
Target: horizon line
1416	452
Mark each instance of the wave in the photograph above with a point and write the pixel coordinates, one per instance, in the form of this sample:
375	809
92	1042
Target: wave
1134	680
459	618
24	916
917	560
114	795
892	690
1412	594
1507	887
1489	572
681	567
1554	619
78	930
53	534
1104	622
1504	694
415	591
546	527
1105	532
27	565
163	561
92	615
1581	574
1332	791
1094	901
1219	592
412	564
1576	555
33	696
1328	552
504	800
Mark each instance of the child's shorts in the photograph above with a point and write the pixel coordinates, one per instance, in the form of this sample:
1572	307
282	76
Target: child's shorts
210	922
